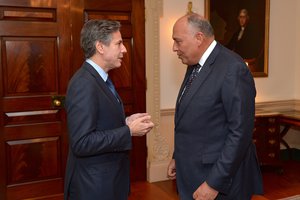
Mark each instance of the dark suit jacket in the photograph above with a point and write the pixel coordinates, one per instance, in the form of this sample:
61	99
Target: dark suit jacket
99	140
249	46
213	130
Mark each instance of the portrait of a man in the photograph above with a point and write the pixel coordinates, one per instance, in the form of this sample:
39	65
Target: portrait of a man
241	27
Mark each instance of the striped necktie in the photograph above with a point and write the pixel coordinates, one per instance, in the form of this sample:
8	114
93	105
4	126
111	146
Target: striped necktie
196	69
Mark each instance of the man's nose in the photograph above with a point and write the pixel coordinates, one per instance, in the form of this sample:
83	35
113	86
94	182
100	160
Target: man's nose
175	48
124	50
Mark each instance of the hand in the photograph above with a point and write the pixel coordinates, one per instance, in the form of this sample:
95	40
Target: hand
171	173
133	117
139	124
205	192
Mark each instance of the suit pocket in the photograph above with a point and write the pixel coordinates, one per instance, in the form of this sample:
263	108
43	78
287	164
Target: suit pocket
210	158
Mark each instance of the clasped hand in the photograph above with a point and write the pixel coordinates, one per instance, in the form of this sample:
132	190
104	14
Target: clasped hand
139	124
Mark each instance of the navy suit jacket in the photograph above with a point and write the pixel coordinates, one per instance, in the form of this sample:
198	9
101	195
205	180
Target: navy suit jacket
213	129
99	140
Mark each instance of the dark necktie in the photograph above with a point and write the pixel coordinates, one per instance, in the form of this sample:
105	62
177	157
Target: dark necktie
192	77
111	86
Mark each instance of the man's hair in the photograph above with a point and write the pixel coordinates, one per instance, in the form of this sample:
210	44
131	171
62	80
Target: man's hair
200	24
245	11
97	30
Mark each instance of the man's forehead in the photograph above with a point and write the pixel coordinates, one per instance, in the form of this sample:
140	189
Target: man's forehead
116	35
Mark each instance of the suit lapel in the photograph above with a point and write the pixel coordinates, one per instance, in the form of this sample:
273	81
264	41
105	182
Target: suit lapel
117	105
198	81
186	77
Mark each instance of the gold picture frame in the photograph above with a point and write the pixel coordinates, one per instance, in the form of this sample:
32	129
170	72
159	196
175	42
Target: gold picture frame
226	18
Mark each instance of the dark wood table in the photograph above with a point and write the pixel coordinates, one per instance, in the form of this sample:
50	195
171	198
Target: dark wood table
288	119
268	135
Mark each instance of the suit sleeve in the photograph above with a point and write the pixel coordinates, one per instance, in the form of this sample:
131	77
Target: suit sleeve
238	96
94	127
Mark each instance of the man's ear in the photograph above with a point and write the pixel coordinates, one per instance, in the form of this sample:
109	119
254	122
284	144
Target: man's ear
99	47
199	37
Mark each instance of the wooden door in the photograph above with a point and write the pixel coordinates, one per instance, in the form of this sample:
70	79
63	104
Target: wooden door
39	52
35	45
129	79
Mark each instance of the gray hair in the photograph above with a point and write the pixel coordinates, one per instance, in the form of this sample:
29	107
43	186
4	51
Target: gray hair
200	24
97	30
245	11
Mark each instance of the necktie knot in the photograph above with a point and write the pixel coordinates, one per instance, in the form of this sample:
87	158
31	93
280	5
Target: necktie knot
194	73
196	69
109	83
112	88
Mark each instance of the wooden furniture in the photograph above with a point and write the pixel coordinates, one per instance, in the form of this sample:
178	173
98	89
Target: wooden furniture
288	119
266	137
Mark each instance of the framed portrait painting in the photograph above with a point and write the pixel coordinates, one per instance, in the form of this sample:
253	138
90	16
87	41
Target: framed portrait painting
243	27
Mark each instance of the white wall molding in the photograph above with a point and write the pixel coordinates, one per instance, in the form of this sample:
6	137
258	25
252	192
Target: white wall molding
158	148
283	105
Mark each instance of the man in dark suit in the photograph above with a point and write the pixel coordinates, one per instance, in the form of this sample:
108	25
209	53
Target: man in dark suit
247	41
214	157
99	133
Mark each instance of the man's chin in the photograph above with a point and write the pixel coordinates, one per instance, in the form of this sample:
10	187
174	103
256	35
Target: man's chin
183	62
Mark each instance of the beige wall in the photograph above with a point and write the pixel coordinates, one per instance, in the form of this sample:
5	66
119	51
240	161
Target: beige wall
165	71
281	82
297	42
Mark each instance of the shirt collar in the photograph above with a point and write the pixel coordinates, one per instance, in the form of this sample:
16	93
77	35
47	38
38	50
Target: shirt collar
207	52
100	71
